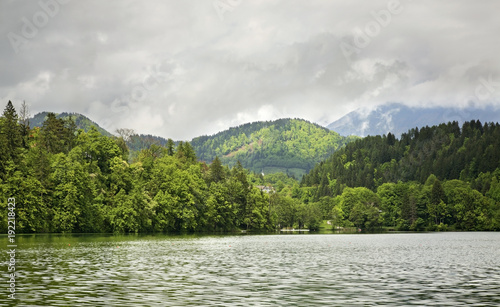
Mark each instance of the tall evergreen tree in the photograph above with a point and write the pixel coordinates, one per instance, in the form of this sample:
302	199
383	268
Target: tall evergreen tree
189	152
216	171
170	147
58	135
24	122
437	192
10	137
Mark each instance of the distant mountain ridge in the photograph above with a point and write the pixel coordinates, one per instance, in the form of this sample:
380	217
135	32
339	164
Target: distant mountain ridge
398	119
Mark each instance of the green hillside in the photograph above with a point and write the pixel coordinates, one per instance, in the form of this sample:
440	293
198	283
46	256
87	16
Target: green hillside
434	178
135	143
81	121
447	151
290	146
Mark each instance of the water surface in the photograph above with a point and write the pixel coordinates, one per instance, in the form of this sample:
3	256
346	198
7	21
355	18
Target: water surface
424	269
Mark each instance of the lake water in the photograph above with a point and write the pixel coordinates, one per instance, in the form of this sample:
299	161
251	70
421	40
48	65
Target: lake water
401	269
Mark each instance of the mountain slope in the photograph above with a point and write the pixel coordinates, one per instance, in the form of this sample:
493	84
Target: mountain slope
447	151
398	118
136	142
81	121
291	146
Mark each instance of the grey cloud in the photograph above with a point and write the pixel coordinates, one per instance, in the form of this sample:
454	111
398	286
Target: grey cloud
266	59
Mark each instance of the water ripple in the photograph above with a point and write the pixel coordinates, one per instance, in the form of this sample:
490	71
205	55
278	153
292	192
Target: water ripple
445	269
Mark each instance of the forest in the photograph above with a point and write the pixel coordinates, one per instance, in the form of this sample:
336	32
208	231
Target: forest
286	145
434	178
66	179
80	120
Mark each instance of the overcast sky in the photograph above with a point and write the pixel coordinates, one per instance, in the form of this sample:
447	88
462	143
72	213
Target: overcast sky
185	68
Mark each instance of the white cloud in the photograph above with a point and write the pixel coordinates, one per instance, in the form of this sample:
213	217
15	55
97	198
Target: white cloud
267	59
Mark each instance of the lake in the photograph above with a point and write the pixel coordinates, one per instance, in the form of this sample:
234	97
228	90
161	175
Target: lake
394	269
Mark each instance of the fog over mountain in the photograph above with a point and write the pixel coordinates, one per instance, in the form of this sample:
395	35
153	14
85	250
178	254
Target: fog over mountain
398	118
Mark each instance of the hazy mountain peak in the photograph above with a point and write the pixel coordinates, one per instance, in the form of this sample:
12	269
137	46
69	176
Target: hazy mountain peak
398	118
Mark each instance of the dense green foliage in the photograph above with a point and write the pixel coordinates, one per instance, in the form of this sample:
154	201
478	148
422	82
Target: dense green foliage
138	142
445	151
68	180
81	121
434	178
289	145
135	142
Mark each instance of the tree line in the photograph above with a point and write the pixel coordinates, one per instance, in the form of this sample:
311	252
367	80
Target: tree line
440	177
64	179
67	180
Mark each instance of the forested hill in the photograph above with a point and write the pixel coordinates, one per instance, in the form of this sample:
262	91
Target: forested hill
290	146
135	142
81	121
447	151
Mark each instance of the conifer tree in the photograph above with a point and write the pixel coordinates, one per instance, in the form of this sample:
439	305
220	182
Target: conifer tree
170	147
58	135
24	122
189	152
216	171
10	137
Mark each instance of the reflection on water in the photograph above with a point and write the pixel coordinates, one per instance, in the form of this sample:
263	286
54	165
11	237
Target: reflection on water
440	269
